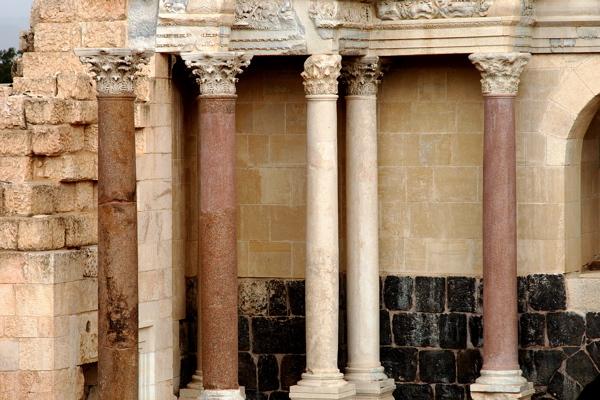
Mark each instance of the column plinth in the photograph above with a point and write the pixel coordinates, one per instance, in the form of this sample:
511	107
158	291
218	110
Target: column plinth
500	372
361	76
113	70
322	379
218	222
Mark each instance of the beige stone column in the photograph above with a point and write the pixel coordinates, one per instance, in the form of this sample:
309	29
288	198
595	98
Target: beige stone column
500	375
216	74
364	369
322	378
114	71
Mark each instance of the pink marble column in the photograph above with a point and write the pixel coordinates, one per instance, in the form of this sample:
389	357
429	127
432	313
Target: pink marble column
218	219
501	372
114	71
361	75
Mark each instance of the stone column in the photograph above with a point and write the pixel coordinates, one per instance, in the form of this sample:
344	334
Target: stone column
364	369
216	75
501	372
322	378
114	71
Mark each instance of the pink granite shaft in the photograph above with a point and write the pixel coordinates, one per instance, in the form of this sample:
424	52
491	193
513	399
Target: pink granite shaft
500	235
218	242
117	250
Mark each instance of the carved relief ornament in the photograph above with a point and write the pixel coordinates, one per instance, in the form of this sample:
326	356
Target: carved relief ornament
321	72
331	14
500	71
114	69
361	75
216	72
429	9
265	15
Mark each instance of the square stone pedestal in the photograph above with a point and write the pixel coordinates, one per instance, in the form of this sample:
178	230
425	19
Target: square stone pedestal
338	392
501	385
375	390
189	394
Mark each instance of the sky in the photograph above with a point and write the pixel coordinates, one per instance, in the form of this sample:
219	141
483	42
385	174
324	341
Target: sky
14	17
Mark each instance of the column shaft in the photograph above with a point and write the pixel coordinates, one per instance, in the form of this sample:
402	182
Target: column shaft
218	236
500	235
117	250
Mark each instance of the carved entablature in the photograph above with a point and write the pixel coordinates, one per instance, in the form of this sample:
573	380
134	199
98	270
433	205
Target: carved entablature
332	14
114	69
265	14
173	6
390	10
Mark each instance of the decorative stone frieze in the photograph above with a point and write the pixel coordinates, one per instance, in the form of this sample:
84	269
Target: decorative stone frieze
361	75
114	69
265	15
320	74
331	14
173	6
417	9
500	71
217	72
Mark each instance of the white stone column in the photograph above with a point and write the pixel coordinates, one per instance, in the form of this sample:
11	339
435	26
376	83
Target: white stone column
364	369
322	379
500	375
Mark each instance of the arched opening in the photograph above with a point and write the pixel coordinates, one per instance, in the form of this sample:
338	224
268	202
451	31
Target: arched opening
590	196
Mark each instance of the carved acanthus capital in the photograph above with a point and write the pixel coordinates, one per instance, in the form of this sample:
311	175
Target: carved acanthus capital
361	75
321	72
114	69
500	71
216	72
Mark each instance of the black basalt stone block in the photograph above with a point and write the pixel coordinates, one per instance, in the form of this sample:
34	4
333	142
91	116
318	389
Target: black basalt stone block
256	395
416	329
397	292
581	368
522	294
468	365
437	366
547	292
570	350
296	295
563	387
243	333
593	350
413	391
453	331
532	329
461	294
539	365
476	330
247	370
278	335
385	328
592	325
292	368
277	298
279	395
400	363
430	293
449	392
565	328
268	373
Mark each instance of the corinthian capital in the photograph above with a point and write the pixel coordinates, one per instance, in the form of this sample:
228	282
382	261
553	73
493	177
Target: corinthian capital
216	72
320	74
500	71
361	75
114	68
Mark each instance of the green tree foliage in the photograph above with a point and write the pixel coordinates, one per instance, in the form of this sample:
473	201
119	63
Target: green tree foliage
7	57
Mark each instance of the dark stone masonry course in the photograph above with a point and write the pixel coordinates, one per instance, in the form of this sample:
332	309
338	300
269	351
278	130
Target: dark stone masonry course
453	331
476	330
592	324
277	395
430	294
468	364
539	365
278	335
522	294
413	391
581	368
449	392
437	366
296	295
565	329
397	293
292	368
593	350
416	329
268	371
532	329
385	328
563	387
277	298
400	363
547	292
243	333
247	371
461	294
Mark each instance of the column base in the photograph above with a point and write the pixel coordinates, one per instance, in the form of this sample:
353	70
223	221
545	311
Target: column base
226	394
371	383
193	389
509	385
329	387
